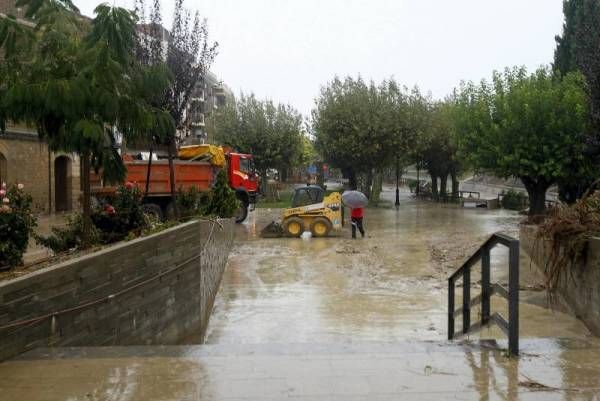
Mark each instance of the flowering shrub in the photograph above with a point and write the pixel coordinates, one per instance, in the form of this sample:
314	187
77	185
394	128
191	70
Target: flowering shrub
68	238
123	216
16	224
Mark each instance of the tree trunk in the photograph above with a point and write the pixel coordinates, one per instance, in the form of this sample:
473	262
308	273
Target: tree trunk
87	209
377	187
283	174
263	181
351	176
455	184
434	186
368	184
148	173
443	186
172	150
536	189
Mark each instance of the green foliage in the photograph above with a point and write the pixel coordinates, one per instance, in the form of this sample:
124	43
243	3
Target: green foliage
526	126
122	219
16	224
514	200
223	201
360	127
436	149
191	202
70	237
272	133
78	82
578	50
124	216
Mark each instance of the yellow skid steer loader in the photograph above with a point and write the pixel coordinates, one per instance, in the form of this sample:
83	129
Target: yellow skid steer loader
311	211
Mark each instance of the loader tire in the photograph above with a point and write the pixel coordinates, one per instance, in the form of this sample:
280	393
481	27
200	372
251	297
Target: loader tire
320	227
293	226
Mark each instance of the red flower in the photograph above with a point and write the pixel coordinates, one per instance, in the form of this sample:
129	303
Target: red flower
109	209
129	185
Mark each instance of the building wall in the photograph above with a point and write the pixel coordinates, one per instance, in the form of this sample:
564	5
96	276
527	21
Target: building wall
154	290
9	7
26	160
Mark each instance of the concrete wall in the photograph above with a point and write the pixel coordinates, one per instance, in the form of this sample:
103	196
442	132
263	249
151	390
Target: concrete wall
580	288
142	300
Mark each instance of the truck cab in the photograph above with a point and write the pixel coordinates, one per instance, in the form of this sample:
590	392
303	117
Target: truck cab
244	180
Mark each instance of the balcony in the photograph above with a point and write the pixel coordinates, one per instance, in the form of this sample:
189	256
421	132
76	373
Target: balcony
197	120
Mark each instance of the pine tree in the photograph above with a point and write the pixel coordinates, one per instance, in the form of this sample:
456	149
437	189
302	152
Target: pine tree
578	49
223	202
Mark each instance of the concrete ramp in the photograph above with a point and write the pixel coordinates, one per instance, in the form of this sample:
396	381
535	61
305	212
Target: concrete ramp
546	370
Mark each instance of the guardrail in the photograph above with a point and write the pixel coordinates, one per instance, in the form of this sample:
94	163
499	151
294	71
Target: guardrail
510	327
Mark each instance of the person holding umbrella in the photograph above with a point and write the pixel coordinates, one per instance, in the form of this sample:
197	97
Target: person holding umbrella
356	201
356	217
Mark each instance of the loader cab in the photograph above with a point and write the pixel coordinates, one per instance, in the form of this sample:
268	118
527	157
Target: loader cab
308	195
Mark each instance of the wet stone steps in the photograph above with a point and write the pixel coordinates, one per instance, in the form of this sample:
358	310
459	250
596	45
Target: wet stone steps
548	369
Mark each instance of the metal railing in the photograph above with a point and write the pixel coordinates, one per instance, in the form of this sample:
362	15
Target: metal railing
510	328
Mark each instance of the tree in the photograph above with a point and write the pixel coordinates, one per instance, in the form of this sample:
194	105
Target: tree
578	49
188	56
78	83
436	148
272	133
525	126
361	128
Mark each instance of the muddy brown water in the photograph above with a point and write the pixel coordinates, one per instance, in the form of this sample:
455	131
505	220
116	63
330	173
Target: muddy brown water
337	319
390	286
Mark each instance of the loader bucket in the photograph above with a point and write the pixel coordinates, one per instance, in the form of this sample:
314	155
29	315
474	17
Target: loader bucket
273	230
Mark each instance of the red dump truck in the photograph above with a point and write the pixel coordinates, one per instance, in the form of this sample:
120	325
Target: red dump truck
195	166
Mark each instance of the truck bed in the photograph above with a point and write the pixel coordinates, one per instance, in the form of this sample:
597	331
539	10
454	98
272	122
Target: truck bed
200	174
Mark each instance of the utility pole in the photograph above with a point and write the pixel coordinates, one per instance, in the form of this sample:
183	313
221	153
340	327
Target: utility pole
397	180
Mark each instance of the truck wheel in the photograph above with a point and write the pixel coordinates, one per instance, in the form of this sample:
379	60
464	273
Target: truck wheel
153	212
170	211
241	213
293	226
320	227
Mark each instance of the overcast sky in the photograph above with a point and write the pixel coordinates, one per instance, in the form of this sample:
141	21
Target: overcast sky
287	49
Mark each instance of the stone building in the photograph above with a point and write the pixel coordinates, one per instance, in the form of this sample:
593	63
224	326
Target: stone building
51	178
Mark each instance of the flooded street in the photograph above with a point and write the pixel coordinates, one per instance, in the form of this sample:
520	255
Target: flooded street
388	287
338	319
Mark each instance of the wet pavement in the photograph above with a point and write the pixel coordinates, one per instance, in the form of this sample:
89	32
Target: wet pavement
547	370
390	286
340	319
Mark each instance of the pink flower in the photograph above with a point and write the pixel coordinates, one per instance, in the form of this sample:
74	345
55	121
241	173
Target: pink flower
6	201
2	193
129	185
20	186
109	209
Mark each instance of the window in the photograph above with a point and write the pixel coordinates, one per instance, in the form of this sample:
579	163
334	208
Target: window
245	165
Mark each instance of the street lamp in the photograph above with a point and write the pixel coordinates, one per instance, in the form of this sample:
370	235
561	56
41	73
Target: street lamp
397	180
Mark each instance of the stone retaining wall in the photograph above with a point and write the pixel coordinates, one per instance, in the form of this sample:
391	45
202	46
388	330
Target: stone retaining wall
154	290
581	287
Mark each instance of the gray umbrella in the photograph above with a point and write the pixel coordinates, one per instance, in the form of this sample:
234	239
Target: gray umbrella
354	199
